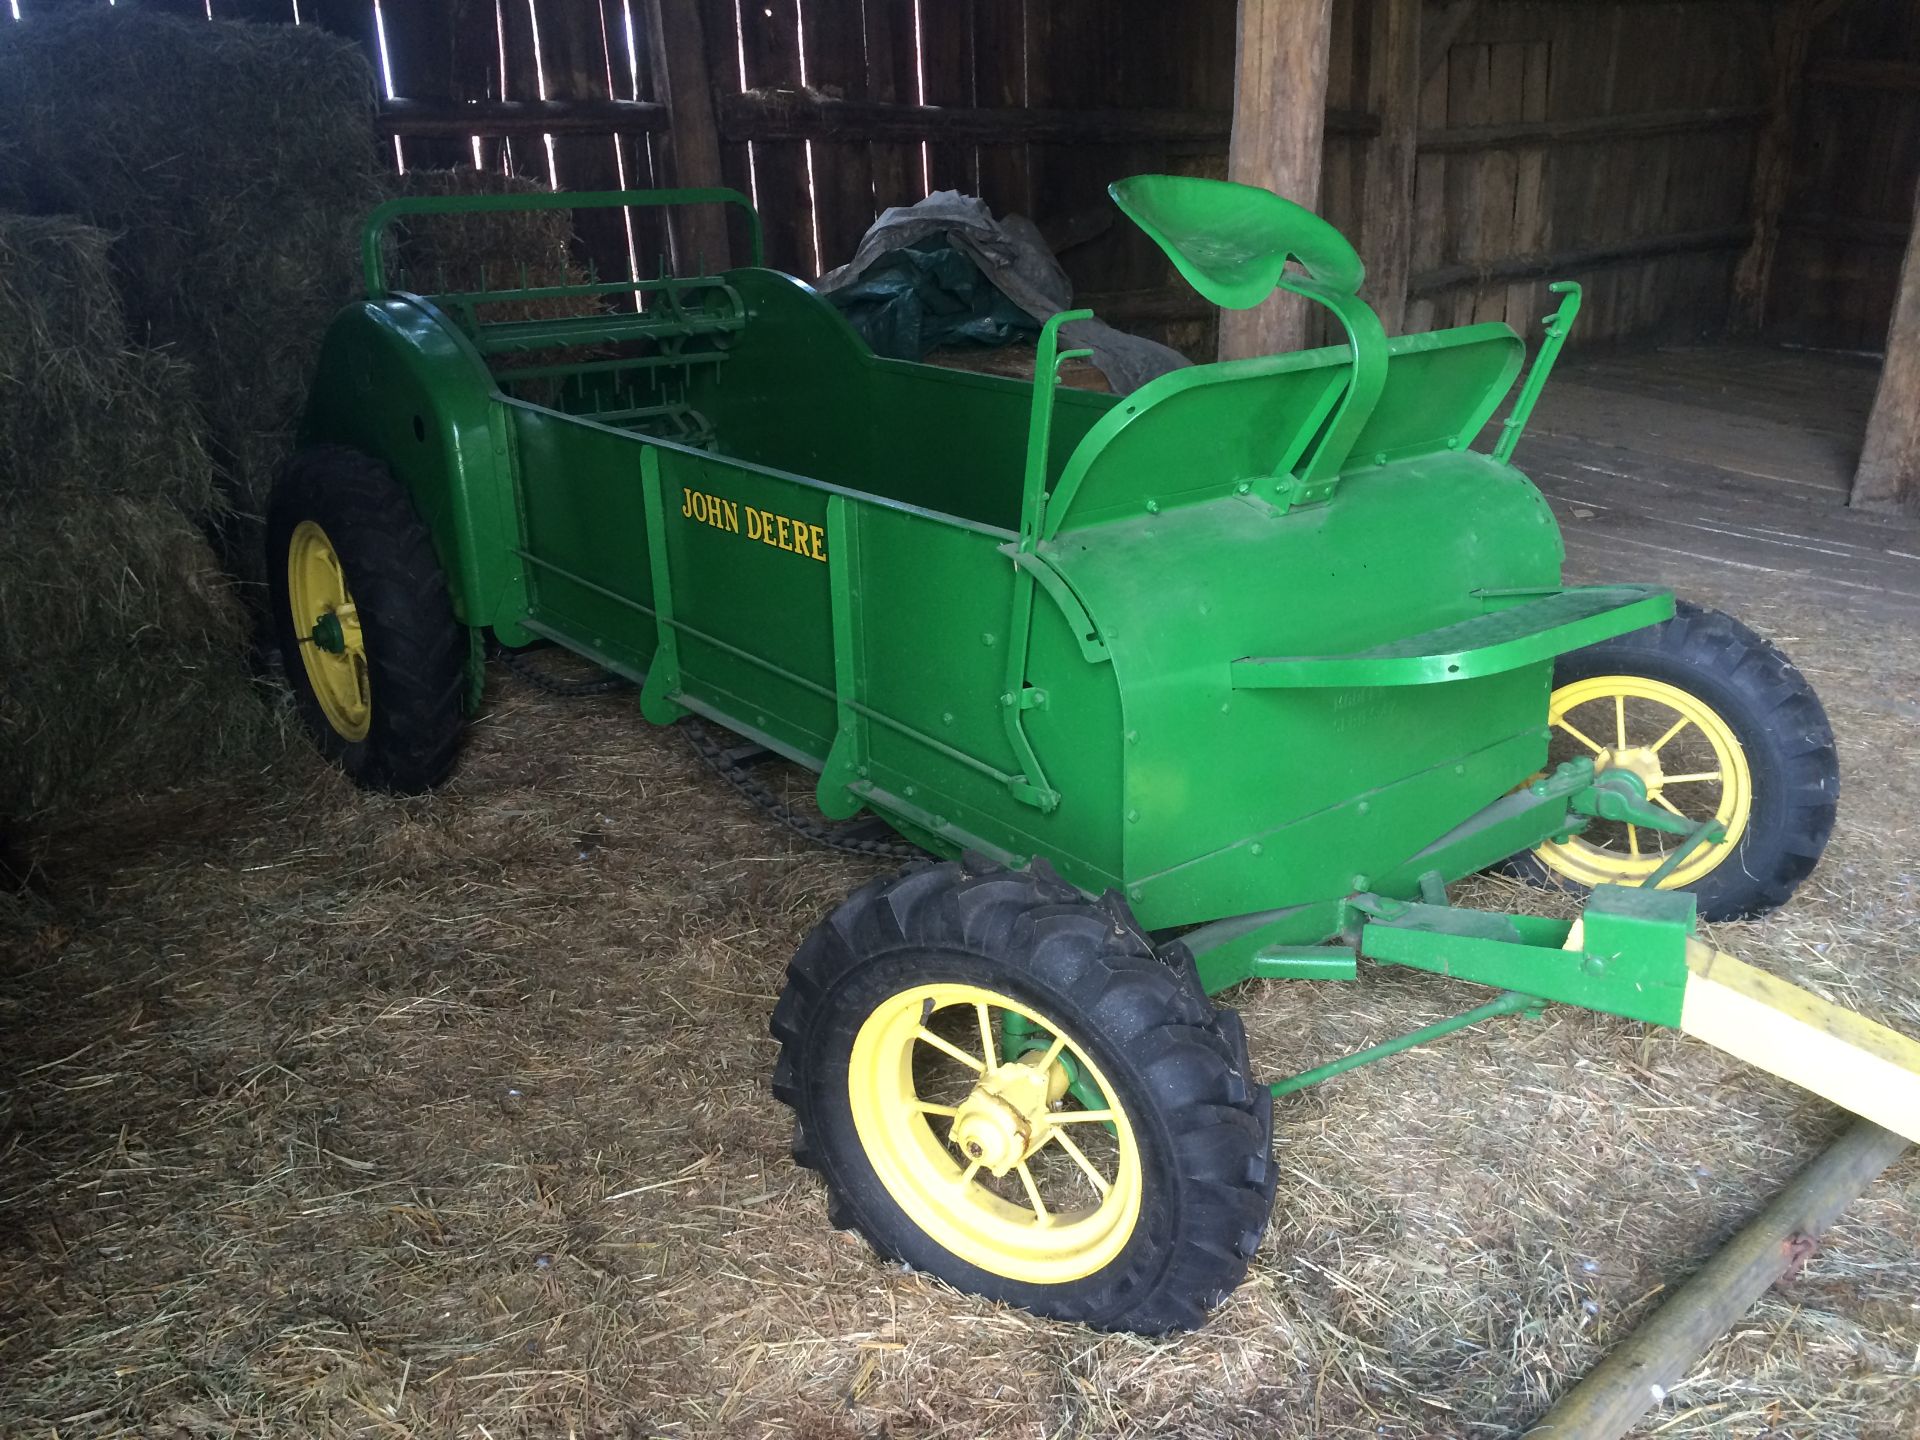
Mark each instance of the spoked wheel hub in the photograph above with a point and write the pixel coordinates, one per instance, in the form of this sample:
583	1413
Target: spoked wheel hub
333	649
1683	752
1008	1115
1020	1180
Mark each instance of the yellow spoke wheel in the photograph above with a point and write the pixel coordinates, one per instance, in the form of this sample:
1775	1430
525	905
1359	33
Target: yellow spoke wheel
1716	724
1681	749
1004	1084
379	667
333	648
994	1164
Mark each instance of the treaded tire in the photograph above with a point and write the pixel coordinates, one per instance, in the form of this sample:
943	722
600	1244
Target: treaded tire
1780	725
1178	1067
416	649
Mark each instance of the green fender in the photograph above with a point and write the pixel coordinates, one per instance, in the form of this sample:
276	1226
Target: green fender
398	381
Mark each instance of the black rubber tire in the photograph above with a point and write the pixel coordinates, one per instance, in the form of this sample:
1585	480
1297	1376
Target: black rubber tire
416	649
1779	723
1180	1068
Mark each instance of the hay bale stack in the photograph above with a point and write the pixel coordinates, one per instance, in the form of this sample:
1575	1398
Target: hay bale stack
123	650
235	163
123	647
438	253
494	250
85	414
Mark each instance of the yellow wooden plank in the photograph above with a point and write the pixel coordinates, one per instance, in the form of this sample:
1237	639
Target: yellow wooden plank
1847	1058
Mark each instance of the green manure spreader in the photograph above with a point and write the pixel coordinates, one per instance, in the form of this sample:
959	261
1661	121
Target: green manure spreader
1229	677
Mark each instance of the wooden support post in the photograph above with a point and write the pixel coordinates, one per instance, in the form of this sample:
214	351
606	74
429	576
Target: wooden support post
1393	93
1279	123
1889	472
1773	164
677	49
1658	1356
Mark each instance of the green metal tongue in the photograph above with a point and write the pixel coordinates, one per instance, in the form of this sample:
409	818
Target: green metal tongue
1231	241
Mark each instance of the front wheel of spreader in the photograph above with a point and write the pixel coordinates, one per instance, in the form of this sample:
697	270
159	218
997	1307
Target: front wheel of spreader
1717	724
1004	1085
368	638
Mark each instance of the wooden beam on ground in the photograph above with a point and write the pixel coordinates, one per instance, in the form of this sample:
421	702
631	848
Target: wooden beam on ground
1279	126
677	51
803	115
1889	473
1778	1027
1773	165
1660	1354
1386	219
1599	127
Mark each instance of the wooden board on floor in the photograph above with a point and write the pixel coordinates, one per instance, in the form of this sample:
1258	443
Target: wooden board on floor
1726	464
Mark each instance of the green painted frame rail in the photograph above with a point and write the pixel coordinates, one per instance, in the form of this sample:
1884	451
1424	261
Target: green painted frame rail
373	257
1511	1003
1557	325
1627	957
1538	628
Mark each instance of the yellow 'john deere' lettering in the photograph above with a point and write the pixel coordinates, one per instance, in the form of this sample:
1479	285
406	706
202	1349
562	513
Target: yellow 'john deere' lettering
783	532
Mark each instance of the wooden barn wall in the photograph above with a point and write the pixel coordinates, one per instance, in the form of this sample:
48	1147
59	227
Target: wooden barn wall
1612	141
1609	143
1850	192
1106	90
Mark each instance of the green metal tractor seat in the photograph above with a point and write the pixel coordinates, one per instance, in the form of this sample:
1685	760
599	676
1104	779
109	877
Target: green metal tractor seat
1233	242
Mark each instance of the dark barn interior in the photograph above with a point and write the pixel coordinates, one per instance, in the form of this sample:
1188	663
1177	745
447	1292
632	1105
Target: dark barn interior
333	1110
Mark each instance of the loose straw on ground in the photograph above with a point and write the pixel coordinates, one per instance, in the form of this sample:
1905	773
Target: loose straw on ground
1657	1356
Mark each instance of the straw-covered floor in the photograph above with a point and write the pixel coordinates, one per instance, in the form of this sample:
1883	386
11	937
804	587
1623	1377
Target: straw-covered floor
334	1114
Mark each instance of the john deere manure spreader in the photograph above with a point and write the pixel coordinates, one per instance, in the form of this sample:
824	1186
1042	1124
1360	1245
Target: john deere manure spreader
1228	677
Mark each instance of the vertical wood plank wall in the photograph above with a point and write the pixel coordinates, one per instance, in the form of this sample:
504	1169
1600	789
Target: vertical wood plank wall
1850	195
1609	141
1518	163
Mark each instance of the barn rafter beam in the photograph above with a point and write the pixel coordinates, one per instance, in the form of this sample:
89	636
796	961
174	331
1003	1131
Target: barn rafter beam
1597	127
804	115
521	117
1574	262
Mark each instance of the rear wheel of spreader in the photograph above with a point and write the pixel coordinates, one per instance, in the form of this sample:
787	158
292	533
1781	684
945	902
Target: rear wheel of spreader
1717	724
1004	1085
367	633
